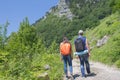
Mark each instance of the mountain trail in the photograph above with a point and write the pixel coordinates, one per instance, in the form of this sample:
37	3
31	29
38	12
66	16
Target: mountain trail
99	71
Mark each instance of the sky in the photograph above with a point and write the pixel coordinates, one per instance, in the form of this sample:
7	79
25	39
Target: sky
15	11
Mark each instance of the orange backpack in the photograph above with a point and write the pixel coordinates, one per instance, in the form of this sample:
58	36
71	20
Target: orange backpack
65	48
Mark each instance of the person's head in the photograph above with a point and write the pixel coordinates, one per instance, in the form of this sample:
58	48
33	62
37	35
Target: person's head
80	32
65	39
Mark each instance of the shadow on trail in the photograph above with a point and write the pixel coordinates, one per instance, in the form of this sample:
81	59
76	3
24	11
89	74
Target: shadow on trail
76	75
91	75
87	75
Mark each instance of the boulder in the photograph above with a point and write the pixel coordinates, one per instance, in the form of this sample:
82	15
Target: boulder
47	67
102	41
43	76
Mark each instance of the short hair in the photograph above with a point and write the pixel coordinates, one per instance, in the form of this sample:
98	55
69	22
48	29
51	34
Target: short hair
80	32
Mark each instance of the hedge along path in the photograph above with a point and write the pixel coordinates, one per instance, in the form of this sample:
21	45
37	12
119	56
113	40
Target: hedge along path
99	71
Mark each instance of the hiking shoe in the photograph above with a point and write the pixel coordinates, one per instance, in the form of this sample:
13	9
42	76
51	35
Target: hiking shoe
72	77
89	74
66	78
84	76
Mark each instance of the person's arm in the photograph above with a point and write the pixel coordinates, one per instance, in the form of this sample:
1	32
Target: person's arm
60	53
71	51
61	57
75	51
88	47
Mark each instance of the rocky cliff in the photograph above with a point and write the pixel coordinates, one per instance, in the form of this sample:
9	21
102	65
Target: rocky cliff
62	9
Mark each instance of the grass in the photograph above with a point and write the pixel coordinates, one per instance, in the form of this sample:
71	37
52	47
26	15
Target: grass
109	53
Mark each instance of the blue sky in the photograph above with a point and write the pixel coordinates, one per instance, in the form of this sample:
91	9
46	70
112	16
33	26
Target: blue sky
15	11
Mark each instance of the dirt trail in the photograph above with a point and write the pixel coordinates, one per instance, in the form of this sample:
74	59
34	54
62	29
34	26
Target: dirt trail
98	72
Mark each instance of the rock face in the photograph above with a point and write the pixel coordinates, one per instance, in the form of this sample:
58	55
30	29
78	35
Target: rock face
47	67
63	9
43	76
102	41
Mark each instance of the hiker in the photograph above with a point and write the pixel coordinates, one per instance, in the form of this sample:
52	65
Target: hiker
81	44
66	56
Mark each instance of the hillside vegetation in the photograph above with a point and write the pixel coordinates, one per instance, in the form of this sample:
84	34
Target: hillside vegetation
24	57
109	53
25	53
87	15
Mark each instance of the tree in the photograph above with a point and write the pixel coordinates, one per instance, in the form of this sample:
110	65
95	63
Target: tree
22	40
3	34
1	37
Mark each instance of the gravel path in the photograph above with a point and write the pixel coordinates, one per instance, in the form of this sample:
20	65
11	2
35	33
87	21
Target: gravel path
98	72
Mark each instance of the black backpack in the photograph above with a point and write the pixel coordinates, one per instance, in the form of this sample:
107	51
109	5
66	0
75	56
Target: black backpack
79	45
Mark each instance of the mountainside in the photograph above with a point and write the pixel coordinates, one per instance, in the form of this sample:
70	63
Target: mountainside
105	40
99	18
69	16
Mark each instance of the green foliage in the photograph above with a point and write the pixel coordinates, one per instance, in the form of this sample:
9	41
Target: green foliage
86	15
50	30
118	63
3	34
110	52
56	67
39	47
53	48
115	4
26	55
34	46
24	69
1	38
23	39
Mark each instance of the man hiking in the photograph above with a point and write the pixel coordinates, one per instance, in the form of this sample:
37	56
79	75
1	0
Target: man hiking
81	44
66	56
